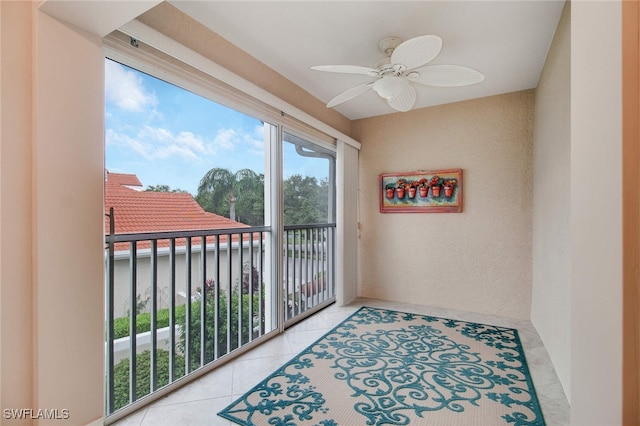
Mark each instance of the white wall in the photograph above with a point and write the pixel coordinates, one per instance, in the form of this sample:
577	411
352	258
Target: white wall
51	217
68	56
68	219
551	294
122	274
596	213
478	260
16	346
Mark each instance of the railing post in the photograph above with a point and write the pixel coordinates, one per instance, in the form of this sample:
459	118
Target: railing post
203	301
110	403
240	284
133	299
229	289
261	300
216	329
153	382
332	264
314	266
188	343
250	286
297	259
172	309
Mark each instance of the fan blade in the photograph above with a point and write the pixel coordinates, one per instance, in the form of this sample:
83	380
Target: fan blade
347	69
417	51
349	94
445	76
404	101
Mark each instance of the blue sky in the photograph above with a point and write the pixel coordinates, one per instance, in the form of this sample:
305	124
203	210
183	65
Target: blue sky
169	136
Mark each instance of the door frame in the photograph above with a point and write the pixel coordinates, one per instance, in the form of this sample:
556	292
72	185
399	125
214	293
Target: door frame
631	211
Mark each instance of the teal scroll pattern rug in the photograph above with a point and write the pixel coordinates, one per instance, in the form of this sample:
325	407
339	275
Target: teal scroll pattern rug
383	367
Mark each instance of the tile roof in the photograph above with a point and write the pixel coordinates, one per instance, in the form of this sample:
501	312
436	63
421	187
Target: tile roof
147	211
124	179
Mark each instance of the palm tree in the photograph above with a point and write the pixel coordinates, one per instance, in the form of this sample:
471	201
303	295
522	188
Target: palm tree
240	194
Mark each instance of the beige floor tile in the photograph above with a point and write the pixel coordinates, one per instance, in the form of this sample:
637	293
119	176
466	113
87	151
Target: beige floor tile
195	413
200	401
216	384
248	373
134	419
302	339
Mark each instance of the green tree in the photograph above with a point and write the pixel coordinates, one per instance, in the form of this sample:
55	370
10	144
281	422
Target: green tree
238	196
305	200
163	188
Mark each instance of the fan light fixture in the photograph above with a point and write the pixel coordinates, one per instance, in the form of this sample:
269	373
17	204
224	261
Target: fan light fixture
404	65
389	87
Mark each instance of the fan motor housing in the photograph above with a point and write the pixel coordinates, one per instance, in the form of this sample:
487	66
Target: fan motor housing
388	45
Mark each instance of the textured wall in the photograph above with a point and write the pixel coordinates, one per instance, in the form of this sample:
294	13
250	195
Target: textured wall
596	213
68	221
478	260
16	325
551	296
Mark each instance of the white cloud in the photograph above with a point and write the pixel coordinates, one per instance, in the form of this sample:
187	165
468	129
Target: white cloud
114	138
256	141
174	150
158	143
232	140
226	139
125	89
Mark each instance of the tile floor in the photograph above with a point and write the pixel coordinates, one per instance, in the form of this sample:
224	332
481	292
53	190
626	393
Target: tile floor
199	402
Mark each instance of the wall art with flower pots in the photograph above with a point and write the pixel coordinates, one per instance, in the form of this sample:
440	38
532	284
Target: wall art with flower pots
438	191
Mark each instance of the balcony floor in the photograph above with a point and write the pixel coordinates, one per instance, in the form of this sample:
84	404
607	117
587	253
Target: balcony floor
199	402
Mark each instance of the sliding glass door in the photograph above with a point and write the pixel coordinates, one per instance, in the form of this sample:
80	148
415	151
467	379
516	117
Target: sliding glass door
308	189
219	232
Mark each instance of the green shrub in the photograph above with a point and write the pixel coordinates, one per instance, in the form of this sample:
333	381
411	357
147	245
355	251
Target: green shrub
143	375
239	295
211	320
143	322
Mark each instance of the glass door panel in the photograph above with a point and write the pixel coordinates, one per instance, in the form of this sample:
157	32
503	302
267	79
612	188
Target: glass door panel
309	227
189	239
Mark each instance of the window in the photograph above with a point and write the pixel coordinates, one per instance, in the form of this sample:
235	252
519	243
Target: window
194	220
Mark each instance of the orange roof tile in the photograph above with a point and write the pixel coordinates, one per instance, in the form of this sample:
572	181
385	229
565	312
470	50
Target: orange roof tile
147	211
124	179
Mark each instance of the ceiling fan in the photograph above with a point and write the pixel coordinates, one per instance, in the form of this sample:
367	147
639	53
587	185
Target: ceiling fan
400	68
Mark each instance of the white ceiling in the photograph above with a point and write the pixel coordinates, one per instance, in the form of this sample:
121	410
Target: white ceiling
505	40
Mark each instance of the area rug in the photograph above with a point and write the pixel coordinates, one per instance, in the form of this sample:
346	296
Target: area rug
383	367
